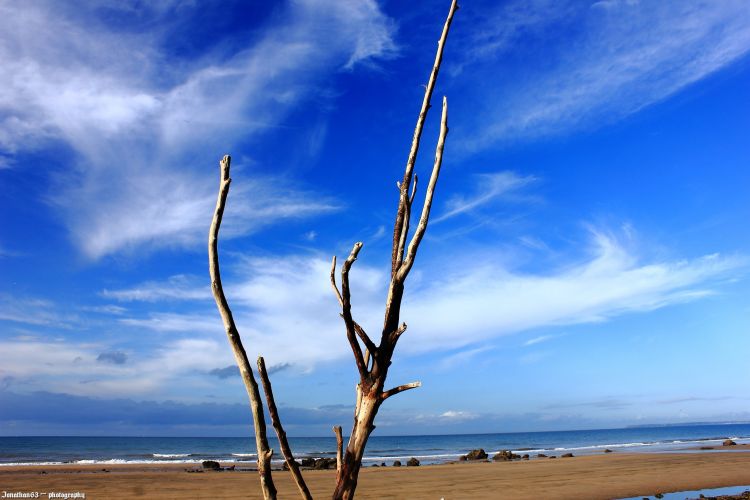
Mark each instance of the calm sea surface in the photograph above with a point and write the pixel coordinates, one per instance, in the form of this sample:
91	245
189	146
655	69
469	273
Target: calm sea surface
428	449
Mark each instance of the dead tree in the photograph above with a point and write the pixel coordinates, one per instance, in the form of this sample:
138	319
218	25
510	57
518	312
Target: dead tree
259	422
261	442
372	360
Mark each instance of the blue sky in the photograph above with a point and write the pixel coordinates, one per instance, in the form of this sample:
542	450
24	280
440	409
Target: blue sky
586	264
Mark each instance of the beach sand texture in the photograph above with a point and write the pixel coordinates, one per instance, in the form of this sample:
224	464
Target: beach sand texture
586	477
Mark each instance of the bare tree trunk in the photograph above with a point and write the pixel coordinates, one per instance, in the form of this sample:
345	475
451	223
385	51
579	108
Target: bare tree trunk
339	447
261	442
373	366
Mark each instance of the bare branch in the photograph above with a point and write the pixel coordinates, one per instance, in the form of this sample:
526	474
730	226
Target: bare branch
411	252
413	190
401	213
261	442
369	344
339	446
392	392
407	220
276	421
346	306
333	281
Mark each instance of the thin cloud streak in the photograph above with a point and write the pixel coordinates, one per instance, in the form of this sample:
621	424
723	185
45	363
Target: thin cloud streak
178	287
489	187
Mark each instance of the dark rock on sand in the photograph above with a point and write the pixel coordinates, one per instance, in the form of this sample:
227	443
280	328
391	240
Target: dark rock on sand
211	465
397	463
567	455
479	454
325	463
541	455
729	442
525	457
413	462
607	450
308	462
505	455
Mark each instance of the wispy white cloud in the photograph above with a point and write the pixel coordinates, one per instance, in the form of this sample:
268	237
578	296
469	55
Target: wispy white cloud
178	287
286	311
610	59
106	309
94	369
488	187
457	415
540	339
34	311
148	130
462	357
494	301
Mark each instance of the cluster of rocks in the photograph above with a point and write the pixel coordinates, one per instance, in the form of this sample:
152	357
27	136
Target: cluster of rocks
501	456
507	456
729	442
317	463
330	463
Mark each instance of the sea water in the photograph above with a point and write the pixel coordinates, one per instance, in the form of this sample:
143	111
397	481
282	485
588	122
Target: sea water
428	449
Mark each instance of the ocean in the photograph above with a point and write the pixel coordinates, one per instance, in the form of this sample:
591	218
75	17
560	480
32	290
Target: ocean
428	449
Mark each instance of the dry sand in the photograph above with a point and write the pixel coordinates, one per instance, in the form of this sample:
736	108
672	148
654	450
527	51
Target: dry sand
588	477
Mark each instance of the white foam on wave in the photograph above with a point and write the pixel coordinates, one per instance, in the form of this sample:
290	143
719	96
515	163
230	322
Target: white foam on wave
170	455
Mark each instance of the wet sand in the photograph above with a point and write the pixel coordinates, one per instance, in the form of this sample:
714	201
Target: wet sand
603	476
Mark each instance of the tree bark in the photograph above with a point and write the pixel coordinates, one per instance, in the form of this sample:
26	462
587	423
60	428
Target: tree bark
261	441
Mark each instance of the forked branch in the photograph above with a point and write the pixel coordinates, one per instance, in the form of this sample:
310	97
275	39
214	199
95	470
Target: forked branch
411	252
396	257
346	312
251	386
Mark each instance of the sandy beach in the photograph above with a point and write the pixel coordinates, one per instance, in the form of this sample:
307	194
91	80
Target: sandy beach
586	477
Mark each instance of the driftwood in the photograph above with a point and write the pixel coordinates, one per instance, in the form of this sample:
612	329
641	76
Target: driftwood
372	360
373	363
259	421
283	443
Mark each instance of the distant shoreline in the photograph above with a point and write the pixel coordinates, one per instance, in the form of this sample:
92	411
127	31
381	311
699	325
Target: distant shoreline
108	451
